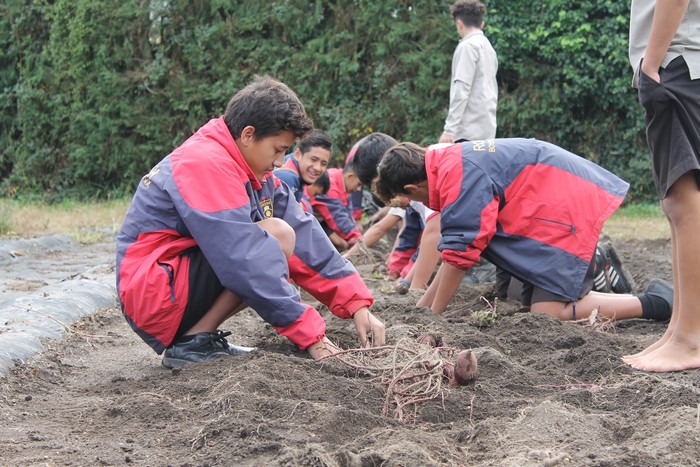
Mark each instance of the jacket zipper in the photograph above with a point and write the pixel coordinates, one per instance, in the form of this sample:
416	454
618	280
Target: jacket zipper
571	226
171	279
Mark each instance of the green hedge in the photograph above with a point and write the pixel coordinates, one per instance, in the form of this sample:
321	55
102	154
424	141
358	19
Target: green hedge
94	92
565	77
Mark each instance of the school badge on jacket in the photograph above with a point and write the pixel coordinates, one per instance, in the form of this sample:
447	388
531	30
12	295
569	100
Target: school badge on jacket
266	205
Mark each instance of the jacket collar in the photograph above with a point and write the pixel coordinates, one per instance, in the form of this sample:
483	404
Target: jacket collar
217	130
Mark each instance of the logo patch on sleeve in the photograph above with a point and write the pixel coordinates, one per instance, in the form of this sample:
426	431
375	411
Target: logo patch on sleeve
266	205
147	178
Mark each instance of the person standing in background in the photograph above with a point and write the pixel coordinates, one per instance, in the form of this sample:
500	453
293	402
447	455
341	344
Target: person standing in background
473	87
664	51
473	91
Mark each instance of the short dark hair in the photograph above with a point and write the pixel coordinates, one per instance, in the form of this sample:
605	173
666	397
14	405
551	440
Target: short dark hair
269	106
470	12
401	165
368	151
324	181
315	139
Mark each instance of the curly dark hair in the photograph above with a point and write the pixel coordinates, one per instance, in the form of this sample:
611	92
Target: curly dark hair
269	106
470	12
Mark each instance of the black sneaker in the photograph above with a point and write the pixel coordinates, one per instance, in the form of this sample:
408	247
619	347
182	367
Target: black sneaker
660	294
601	280
620	279
196	348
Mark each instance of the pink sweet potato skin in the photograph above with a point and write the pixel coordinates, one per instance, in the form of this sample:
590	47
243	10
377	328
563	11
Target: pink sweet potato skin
428	339
465	370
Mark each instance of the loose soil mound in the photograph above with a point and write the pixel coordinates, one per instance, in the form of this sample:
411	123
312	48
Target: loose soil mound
549	393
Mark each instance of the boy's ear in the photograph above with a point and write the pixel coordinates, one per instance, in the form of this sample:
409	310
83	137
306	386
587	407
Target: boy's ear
410	188
297	154
248	134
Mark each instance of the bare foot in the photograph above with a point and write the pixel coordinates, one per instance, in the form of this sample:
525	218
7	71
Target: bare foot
667	335
648	350
674	355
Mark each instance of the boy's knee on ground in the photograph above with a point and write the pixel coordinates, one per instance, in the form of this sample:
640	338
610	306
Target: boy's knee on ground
283	232
556	310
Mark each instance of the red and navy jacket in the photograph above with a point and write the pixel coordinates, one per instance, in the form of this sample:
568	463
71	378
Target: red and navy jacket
336	208
529	207
355	196
289	174
204	195
306	202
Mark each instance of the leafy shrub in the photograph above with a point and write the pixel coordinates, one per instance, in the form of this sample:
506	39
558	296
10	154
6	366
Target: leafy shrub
95	92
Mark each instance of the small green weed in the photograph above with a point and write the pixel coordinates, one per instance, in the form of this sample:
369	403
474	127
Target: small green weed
487	316
484	318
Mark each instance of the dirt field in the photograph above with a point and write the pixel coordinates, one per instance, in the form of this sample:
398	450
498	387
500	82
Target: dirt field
549	393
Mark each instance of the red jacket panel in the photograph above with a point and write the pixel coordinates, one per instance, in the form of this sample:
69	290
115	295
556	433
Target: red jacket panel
531	208
336	209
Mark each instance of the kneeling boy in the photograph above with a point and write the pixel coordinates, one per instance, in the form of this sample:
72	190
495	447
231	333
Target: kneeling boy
529	207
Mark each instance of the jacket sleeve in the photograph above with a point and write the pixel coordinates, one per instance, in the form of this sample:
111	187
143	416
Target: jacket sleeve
316	265
469	218
306	204
465	60
246	259
291	179
338	216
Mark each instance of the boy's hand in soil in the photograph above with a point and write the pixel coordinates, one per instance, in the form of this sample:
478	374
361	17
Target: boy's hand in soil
322	348
370	330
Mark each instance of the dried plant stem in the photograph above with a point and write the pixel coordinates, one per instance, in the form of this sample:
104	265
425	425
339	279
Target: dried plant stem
412	373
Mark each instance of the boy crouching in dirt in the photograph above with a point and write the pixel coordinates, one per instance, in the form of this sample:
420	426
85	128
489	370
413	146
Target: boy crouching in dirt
529	207
211	231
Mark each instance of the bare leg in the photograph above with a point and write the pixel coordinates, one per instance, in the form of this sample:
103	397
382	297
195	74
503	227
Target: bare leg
225	306
227	303
679	348
613	306
674	316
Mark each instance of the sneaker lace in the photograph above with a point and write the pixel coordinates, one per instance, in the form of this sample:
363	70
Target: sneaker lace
219	339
